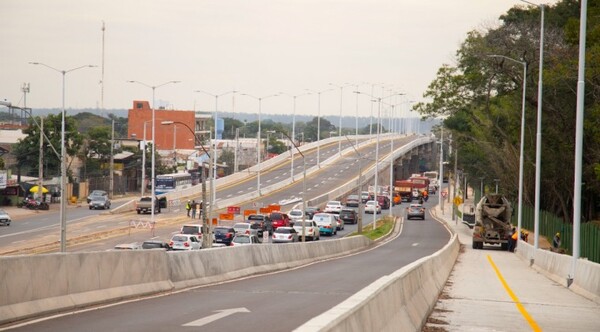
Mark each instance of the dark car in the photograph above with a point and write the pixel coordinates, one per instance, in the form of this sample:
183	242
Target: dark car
311	210
155	244
352	200
96	193
384	202
261	219
224	235
99	202
349	216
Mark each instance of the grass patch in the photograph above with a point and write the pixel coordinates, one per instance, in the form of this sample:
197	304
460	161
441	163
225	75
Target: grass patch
384	225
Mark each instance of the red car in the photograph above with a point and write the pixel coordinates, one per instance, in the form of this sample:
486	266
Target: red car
279	219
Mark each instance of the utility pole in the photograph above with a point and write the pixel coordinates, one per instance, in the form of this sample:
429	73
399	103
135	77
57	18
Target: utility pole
112	161
41	161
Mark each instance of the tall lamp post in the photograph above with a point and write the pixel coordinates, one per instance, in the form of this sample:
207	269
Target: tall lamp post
153	87
294	128
319	123
213	188
521	159
206	238
303	186
258	143
63	157
340	119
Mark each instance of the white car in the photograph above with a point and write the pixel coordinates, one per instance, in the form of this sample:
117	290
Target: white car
333	207
326	222
185	242
340	222
372	207
295	215
244	240
284	235
311	230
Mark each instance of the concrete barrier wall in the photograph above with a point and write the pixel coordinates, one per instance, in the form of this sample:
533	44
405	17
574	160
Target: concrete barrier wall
42	284
557	267
401	301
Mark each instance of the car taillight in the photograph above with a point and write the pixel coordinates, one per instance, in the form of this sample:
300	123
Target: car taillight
185	244
171	244
274	236
289	237
228	235
247	232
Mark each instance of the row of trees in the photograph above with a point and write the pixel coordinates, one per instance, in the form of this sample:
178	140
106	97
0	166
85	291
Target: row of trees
479	98
93	148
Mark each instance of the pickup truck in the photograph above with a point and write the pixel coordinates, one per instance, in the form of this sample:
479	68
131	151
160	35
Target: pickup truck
145	204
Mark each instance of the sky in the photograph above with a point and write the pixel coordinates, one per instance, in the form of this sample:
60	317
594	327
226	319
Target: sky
255	47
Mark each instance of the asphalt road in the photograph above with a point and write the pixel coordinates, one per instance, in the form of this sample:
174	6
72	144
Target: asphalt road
273	302
44	228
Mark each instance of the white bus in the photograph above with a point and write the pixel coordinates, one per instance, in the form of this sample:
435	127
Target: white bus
166	183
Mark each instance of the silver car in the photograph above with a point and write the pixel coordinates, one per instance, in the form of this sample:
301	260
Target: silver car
415	211
311	230
4	218
99	202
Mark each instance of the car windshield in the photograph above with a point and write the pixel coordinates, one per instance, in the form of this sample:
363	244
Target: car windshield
98	193
151	245
334	203
179	238
241	226
242	239
295	213
300	224
283	230
276	216
256	217
190	230
346	213
221	230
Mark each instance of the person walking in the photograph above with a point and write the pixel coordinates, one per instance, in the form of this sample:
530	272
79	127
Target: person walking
188	207
556	241
193	208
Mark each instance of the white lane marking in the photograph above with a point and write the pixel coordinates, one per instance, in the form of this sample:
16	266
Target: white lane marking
229	195
21	241
240	192
269	180
277	177
219	314
101	226
415	244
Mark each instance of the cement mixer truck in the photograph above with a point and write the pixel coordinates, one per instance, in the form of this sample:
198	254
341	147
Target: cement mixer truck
492	221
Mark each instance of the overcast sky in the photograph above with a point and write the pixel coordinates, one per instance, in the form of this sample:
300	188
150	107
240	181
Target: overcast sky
253	46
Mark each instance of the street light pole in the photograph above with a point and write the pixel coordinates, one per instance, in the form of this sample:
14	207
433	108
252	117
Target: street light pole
361	207
63	157
319	124
294	128
340	119
213	188
258	142
153	175
521	158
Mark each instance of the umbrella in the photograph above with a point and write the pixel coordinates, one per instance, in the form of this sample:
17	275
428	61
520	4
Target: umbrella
34	189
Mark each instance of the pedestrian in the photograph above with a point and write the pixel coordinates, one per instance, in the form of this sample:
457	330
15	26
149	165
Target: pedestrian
512	240
556	241
524	235
188	207
193	208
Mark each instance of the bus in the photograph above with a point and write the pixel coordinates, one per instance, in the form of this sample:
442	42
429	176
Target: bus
166	183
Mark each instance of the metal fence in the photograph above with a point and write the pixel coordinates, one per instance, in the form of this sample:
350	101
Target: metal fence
122	184
551	224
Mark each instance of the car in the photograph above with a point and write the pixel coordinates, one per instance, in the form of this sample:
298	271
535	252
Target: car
415	211
372	207
248	228
155	244
192	229
349	216
128	246
279	219
224	235
384	202
244	240
99	202
311	210
285	235
262	220
352	201
185	242
96	193
339	222
333	207
326	222
296	215
311	230
4	218
365	196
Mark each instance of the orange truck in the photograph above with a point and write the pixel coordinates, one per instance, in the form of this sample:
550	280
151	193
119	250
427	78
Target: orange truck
404	188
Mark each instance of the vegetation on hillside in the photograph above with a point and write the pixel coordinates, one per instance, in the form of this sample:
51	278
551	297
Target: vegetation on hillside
480	97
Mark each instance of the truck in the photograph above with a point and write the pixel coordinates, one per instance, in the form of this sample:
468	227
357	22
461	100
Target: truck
144	205
404	189
492	221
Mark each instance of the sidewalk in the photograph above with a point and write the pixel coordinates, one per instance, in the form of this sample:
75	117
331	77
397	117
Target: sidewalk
494	290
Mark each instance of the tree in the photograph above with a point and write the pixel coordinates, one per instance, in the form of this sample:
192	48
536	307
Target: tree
27	149
310	131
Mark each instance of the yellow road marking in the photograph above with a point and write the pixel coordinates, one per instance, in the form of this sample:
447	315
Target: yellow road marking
515	299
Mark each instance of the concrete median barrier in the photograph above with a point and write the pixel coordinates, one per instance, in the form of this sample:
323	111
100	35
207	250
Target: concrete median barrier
401	301
44	284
